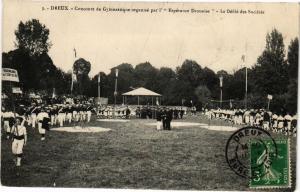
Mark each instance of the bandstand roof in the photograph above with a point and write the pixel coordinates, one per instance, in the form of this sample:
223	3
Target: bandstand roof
141	92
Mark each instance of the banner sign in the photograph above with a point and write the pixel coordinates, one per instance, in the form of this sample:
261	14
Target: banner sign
17	90
10	75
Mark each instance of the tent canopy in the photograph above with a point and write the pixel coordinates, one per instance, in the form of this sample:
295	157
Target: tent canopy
141	92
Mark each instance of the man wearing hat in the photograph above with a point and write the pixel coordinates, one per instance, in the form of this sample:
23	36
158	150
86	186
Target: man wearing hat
89	112
7	117
33	111
84	114
247	117
19	139
274	122
127	112
164	118
181	113
266	120
53	114
69	113
61	116
41	118
158	119
287	123
169	117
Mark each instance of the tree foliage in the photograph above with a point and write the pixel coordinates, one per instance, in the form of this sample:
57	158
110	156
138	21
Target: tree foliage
271	75
203	94
32	37
81	69
292	59
190	71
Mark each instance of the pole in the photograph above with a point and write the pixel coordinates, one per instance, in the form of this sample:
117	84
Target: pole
221	91
221	98
99	89
246	88
115	93
269	104
246	80
72	83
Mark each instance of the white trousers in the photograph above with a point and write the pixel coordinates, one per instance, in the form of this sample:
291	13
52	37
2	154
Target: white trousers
33	120
158	125
266	125
6	126
17	146
41	130
61	117
53	120
69	117
89	114
247	119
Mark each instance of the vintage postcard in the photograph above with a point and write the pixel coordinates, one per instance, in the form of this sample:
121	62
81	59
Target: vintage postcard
149	95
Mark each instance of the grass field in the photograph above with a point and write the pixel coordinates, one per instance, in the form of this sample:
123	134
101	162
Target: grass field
131	155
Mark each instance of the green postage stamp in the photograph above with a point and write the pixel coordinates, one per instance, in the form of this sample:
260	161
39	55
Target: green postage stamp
270	164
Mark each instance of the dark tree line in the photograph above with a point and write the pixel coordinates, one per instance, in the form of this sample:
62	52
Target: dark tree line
274	73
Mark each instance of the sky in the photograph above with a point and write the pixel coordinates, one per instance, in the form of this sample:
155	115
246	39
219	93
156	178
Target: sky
107	39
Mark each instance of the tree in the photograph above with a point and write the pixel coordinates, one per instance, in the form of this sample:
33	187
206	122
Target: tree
271	69
125	80
292	93
237	83
62	82
81	69
190	71
211	81
292	60
35	67
203	94
35	72
145	75
165	77
32	36
178	90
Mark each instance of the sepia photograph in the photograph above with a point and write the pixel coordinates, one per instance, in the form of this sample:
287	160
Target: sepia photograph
149	95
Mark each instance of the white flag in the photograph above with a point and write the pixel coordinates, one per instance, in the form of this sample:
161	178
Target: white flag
117	71
221	81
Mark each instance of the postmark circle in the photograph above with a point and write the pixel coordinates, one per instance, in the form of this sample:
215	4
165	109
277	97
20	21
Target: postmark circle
237	151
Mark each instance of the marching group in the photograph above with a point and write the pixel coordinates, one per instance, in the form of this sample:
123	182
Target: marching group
282	122
41	117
